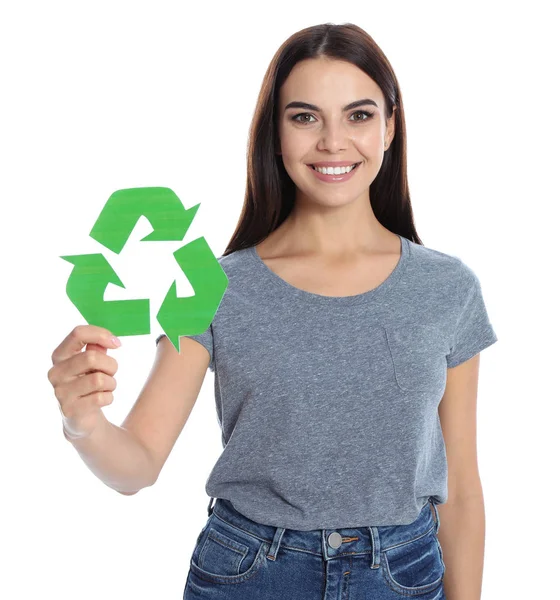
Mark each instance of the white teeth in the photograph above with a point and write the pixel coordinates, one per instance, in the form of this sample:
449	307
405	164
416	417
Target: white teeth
334	170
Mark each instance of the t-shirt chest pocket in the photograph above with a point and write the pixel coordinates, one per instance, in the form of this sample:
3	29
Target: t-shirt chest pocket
418	354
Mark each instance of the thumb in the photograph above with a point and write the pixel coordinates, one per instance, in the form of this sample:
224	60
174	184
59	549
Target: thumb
96	347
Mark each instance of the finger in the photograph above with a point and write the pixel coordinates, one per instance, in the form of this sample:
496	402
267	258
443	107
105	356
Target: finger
78	338
97	348
73	393
81	364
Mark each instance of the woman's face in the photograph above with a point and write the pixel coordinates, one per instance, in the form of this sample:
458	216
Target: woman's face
330	132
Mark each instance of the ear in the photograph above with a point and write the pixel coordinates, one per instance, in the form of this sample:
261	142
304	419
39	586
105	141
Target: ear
390	134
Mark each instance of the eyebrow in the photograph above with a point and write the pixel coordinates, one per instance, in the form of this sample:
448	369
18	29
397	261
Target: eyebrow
297	104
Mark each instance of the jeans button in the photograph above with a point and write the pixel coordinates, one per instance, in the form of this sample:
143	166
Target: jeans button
335	539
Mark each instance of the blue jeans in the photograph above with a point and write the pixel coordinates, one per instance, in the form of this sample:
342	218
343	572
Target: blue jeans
236	558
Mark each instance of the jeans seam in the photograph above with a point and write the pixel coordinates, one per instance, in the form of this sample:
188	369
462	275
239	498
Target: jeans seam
432	528
249	533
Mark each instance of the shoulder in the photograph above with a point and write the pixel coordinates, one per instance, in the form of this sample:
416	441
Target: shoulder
238	269
440	268
234	260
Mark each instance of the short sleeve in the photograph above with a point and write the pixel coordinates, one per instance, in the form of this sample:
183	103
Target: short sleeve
473	331
206	339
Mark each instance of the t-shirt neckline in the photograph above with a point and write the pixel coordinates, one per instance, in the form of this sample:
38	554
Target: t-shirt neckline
295	293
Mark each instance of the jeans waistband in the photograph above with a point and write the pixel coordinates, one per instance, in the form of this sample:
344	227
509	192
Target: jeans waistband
331	542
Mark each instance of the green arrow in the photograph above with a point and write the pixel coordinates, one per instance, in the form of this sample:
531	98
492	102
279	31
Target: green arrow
194	314
170	221
85	288
160	205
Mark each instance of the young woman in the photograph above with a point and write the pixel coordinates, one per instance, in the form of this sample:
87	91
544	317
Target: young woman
345	354
336	351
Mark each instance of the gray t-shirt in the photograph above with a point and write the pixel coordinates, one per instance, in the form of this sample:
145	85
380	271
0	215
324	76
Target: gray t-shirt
328	406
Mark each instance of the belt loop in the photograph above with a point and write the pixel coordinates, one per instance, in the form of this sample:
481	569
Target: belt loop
435	513
273	551
210	507
376	548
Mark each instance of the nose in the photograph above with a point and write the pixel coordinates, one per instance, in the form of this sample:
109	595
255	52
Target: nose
333	137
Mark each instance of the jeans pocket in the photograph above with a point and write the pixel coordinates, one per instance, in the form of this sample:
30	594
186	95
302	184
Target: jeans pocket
414	567
226	554
418	353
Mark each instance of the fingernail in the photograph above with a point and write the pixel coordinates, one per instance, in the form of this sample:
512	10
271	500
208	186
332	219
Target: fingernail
116	341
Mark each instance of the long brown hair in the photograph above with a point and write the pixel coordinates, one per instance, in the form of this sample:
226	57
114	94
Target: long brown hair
270	192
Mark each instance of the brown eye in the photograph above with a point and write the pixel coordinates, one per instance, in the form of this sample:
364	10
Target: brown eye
296	117
363	112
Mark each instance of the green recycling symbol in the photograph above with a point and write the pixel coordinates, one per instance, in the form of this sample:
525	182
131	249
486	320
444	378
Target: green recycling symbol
170	220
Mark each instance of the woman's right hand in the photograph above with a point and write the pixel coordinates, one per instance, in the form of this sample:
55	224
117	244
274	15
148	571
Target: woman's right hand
83	382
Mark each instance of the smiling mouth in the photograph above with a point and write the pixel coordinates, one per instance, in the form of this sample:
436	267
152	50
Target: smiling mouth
344	173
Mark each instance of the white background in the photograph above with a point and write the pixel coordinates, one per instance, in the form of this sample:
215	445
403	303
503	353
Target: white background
103	96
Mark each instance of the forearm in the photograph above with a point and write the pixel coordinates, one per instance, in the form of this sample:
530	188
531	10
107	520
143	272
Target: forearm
116	457
461	535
